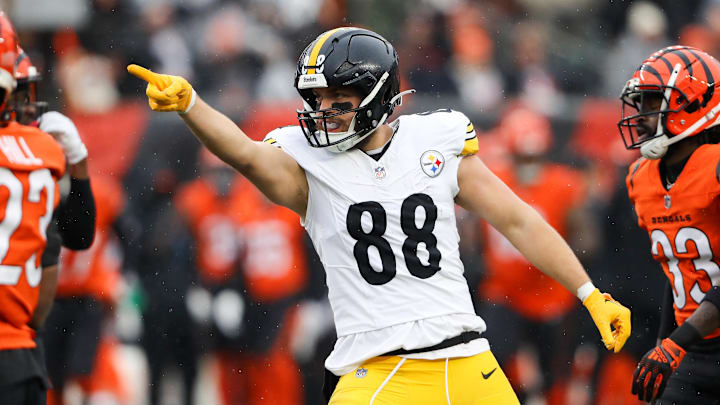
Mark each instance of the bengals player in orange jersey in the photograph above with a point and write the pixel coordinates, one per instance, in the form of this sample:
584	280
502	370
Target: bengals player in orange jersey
512	285
72	225
670	112
31	163
250	256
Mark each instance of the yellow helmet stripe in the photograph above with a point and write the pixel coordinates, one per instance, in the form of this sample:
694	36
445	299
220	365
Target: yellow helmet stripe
316	49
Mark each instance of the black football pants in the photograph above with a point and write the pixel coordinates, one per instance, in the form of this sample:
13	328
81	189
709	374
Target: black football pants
695	382
27	392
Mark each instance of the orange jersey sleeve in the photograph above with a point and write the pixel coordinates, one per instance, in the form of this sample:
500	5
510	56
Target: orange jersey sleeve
683	224
31	162
511	278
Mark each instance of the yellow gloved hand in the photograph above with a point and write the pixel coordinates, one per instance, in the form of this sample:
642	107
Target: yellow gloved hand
165	92
605	311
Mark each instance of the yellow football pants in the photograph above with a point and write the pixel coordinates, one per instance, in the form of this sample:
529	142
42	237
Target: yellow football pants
393	380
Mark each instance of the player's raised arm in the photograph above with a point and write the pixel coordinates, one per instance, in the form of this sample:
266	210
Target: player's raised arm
272	171
482	192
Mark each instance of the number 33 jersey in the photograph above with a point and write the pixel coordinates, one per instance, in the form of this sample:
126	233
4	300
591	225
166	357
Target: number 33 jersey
385	229
683	224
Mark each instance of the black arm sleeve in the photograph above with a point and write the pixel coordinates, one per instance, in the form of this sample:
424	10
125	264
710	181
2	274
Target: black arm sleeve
76	216
51	254
713	296
667	314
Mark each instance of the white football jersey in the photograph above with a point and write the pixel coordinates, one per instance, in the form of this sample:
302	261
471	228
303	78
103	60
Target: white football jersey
385	230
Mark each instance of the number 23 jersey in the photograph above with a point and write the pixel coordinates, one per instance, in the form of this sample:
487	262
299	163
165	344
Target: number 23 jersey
683	224
31	162
385	230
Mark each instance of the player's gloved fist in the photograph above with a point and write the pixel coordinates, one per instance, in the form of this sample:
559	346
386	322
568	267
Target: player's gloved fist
165	92
66	134
607	312
655	368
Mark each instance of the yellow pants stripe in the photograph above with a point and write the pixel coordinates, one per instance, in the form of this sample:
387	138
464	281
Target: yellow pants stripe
447	386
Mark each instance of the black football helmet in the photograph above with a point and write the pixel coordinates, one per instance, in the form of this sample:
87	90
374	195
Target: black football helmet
354	57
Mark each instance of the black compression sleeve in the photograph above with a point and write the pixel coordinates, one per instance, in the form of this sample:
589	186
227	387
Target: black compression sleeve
713	296
76	216
51	253
667	314
685	335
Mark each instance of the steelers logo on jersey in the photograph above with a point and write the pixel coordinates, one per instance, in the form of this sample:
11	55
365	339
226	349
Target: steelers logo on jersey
432	162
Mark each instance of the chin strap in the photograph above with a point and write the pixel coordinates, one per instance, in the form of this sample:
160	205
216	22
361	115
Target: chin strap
656	147
397	100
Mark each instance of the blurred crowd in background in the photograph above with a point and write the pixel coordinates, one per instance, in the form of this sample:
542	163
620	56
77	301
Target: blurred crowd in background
210	295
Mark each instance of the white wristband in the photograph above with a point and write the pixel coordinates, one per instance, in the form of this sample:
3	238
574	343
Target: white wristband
585	290
193	98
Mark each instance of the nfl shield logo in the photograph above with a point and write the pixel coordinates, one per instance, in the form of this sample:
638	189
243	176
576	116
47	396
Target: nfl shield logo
380	173
668	202
361	373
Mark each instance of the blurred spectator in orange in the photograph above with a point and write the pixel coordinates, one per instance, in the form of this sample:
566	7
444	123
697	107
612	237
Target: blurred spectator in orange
512	285
250	258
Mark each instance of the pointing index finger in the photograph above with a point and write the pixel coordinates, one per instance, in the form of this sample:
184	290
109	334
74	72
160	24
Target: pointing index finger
144	74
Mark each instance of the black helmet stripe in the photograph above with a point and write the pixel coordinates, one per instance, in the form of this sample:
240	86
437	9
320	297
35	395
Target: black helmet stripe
706	68
710	79
651	70
681	54
667	63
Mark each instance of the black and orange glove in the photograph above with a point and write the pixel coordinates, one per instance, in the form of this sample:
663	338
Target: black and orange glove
655	368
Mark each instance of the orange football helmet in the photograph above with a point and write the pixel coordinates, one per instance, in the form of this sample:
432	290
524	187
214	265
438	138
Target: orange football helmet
526	132
684	82
8	56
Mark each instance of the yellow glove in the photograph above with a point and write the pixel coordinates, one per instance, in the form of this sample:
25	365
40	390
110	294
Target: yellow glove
605	311
165	92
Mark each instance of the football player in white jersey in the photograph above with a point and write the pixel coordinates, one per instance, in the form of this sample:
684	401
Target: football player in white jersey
377	198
